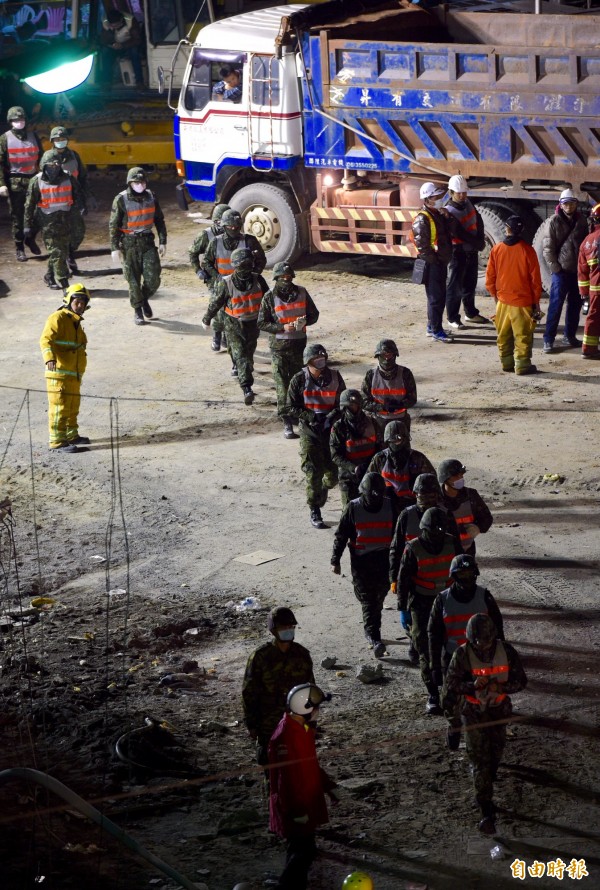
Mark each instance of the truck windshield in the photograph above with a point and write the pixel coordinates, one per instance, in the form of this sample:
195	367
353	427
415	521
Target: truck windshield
204	75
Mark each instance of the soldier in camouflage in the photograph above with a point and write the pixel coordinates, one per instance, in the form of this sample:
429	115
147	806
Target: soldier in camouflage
240	295
484	671
355	438
52	198
135	211
73	165
19	152
313	401
285	313
197	249
399	464
389	390
272	670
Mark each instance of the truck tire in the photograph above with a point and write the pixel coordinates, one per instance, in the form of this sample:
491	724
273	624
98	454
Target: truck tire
494	218
537	246
268	213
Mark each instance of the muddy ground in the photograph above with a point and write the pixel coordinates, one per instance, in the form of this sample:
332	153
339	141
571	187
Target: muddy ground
182	477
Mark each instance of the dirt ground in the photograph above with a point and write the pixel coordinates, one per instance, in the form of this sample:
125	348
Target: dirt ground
182	477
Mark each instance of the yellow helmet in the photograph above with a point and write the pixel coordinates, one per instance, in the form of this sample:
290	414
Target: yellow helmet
358	880
76	290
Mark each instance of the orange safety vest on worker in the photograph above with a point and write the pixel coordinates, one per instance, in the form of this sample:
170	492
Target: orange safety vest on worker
289	312
223	254
456	616
374	531
321	400
464	516
23	154
399	480
362	448
140	213
243	304
387	392
433	569
467	217
497	669
55	196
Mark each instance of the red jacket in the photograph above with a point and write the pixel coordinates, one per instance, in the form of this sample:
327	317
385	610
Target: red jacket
588	269
297	781
513	274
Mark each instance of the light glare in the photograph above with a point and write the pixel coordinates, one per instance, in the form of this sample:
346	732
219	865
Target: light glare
64	77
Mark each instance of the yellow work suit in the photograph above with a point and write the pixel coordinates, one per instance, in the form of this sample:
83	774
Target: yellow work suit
63	340
514	326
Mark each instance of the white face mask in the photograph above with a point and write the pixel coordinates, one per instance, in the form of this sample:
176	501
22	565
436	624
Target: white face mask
458	483
61	144
138	187
438	204
18	125
319	363
286	636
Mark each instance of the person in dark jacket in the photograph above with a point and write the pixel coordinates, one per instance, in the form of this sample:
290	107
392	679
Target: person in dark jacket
467	240
564	233
467	507
354	439
399	464
432	236
447	625
389	390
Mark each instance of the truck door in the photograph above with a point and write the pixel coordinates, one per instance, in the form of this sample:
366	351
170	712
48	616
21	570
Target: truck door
275	121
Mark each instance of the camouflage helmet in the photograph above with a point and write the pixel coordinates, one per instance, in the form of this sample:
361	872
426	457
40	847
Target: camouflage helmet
242	258
481	630
50	157
312	351
448	468
396	430
349	397
280	616
372	483
426	483
218	211
16	113
76	290
434	519
136	174
386	346
464	562
58	133
280	269
231	219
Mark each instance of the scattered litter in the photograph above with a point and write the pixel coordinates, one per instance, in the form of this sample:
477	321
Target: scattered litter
249	603
182	680
498	852
569	402
117	591
89	635
98	558
329	662
367	673
42	602
258	557
136	667
341	674
553	477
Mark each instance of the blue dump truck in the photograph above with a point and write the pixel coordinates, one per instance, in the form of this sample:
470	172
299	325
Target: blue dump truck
345	108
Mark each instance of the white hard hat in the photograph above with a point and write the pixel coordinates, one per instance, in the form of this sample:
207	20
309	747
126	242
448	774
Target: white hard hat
305	698
567	195
429	190
458	183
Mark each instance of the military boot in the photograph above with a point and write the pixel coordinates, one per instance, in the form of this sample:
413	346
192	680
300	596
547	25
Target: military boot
147	308
32	245
215	343
288	430
21	258
316	518
72	262
50	281
64	283
138	315
248	395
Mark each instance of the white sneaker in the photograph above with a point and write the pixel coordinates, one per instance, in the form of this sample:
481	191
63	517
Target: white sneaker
457	325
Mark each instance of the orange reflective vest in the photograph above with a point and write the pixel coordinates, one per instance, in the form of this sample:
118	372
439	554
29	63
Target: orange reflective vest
22	153
140	213
55	196
223	255
456	616
317	399
374	531
433	569
288	312
388	392
363	447
399	480
243	304
464	516
497	669
467	217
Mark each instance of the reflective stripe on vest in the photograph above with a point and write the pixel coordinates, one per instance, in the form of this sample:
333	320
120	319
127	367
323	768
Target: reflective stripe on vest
413	520
321	401
223	255
433	569
432	228
464	516
388	392
373	530
22	153
288	312
362	447
53	197
467	217
243	304
497	669
399	480
140	214
456	616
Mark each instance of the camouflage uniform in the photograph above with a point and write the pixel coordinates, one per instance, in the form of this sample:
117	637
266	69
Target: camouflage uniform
209	260
140	256
74	166
197	249
415	461
410	517
373	406
17	185
486	745
55	227
270	674
286	354
342	432
317	464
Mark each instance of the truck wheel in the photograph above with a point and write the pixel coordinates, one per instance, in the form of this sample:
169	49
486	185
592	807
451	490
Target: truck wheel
537	246
268	213
494	218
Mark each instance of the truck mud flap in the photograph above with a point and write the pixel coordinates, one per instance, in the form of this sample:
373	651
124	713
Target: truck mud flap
182	197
